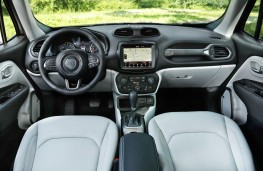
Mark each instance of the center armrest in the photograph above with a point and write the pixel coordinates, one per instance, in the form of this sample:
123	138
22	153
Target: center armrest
138	152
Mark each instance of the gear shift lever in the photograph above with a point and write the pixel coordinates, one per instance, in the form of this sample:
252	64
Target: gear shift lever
133	96
133	122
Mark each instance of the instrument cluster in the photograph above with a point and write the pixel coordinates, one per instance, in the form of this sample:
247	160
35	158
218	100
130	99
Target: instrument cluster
73	42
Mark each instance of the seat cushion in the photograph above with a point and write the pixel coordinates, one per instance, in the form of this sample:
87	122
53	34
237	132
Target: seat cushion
200	141
66	143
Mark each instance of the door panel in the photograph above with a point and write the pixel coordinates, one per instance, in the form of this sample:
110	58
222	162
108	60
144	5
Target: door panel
245	92
249	70
15	96
17	99
251	93
12	72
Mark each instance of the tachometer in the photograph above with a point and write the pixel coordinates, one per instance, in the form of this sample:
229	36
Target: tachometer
93	48
66	46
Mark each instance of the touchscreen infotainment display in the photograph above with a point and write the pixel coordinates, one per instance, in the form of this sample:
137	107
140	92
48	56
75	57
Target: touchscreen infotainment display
137	56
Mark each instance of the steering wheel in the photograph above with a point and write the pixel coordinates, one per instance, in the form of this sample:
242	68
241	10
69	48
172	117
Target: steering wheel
73	65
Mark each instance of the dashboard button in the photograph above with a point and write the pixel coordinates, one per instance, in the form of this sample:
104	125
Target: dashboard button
137	88
150	88
34	66
141	101
150	101
125	88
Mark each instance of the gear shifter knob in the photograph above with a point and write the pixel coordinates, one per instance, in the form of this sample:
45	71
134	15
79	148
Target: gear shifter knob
133	96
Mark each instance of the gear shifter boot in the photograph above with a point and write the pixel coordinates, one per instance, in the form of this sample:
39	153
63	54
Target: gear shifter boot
135	120
132	123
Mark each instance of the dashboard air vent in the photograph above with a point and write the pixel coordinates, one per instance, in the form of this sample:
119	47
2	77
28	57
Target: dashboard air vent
124	32
148	31
221	52
37	47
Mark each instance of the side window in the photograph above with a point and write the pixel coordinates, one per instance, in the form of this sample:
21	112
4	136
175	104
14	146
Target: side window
8	30
251	23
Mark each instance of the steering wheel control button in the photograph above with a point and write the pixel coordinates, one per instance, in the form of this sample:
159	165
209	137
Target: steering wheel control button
93	61
142	84
50	65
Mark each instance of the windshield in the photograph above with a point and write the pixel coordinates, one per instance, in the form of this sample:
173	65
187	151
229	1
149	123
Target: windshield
56	13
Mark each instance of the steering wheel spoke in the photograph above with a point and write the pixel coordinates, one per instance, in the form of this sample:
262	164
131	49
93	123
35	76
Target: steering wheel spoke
50	65
71	85
93	61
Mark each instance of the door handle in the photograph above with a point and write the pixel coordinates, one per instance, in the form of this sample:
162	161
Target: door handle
256	67
6	72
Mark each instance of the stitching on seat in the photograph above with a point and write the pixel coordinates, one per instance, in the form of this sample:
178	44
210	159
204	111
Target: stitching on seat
28	151
229	141
68	138
106	130
238	146
102	143
158	127
209	132
36	148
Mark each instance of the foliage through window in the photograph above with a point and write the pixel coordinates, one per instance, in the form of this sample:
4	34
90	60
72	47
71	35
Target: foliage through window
251	23
57	13
8	23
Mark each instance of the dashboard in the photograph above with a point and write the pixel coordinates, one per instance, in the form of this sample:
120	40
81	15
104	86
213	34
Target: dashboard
182	56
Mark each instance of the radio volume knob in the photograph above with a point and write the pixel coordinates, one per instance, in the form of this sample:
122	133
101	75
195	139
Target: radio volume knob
150	80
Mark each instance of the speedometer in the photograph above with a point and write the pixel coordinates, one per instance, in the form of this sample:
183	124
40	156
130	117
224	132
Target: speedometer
66	46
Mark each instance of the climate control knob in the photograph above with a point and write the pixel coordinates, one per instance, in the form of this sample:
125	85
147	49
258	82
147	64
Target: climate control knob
150	80
124	80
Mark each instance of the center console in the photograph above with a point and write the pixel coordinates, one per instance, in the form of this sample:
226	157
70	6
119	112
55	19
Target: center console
136	61
138	153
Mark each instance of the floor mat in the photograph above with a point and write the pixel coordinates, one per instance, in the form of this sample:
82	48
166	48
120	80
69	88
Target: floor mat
99	104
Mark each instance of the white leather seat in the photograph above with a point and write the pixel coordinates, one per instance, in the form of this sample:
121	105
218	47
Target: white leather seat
67	143
200	141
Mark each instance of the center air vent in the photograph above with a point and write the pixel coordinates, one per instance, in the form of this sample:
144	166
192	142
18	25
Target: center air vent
36	48
147	31
126	32
220	52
